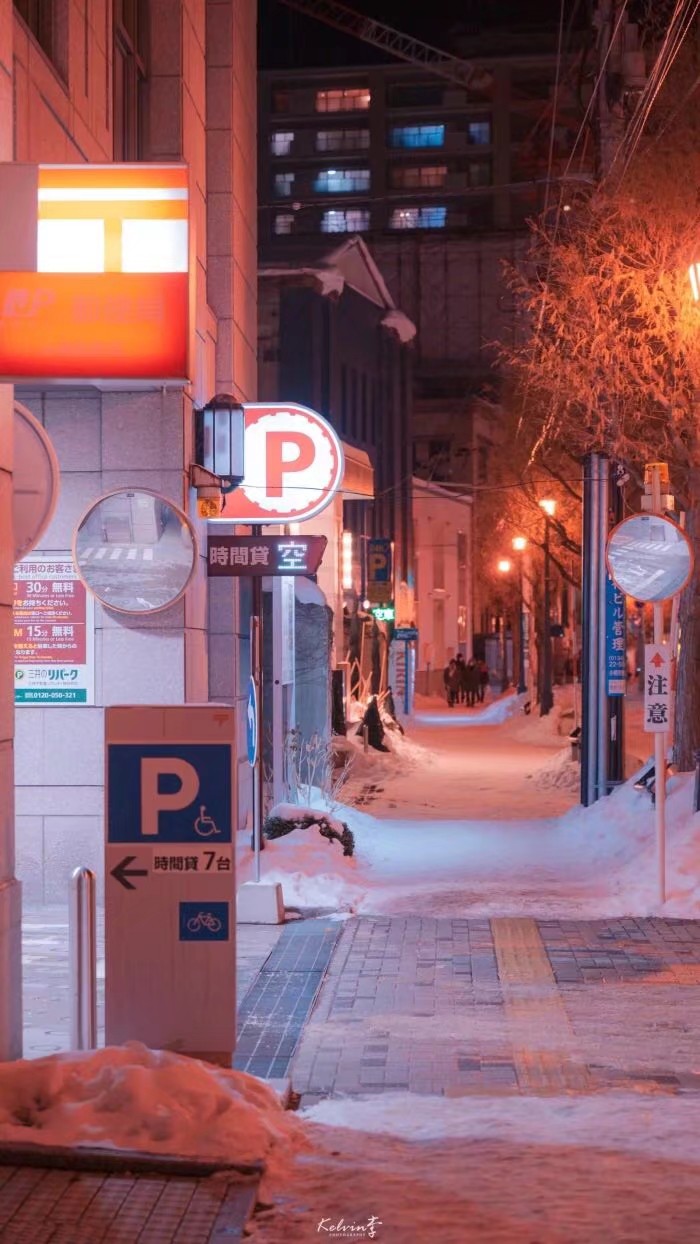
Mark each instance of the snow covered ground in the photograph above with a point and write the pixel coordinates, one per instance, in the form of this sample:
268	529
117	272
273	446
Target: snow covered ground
614	1168
476	812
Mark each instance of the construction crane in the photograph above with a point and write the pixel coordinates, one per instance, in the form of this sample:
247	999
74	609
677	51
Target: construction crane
415	51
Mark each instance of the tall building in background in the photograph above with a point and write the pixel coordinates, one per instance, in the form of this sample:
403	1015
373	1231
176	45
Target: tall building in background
165	82
440	180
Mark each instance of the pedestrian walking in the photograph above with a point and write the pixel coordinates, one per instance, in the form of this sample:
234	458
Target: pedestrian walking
471	677
462	673
451	682
483	680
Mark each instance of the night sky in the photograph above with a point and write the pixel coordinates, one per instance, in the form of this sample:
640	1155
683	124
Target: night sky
289	40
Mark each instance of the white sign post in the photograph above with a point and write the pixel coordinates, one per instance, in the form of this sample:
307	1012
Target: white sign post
170	915
650	558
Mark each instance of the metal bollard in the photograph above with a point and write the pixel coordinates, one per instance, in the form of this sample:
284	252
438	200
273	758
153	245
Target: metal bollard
83	960
365	738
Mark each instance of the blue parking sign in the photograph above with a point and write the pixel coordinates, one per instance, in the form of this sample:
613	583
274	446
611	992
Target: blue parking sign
169	792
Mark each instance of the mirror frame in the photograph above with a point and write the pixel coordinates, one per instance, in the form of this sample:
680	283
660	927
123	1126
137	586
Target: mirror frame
151	492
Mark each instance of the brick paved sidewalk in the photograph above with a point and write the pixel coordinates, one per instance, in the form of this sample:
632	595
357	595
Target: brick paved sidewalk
457	1006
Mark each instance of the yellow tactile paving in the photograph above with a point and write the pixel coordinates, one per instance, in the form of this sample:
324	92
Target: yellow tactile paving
535	1012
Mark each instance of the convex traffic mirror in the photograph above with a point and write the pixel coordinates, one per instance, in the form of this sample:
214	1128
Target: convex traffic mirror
649	557
135	551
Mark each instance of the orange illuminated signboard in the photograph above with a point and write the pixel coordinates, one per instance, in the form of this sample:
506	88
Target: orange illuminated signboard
95	273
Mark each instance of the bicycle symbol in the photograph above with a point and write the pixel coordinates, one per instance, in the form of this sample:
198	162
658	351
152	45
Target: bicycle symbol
205	825
204	920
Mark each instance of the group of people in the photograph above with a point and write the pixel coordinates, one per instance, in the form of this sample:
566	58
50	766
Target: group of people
465	681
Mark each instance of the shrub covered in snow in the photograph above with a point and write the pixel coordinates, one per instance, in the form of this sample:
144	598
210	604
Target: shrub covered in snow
287	817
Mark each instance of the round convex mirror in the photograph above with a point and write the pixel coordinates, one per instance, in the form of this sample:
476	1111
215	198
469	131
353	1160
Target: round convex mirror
649	557
135	551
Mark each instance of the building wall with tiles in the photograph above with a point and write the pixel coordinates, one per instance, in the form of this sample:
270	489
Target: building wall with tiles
194	63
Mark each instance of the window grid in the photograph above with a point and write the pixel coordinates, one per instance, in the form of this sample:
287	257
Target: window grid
351	99
479	133
284	222
341	180
281	142
354	220
413	177
417	136
342	140
283	185
418	218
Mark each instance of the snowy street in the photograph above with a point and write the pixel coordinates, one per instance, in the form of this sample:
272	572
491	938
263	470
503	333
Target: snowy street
486	1018
504	1046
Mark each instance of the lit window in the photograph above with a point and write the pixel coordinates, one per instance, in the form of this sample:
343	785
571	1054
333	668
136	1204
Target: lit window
342	140
353	221
354	99
284	222
418	136
281	142
410	177
418	218
341	180
479	133
283	185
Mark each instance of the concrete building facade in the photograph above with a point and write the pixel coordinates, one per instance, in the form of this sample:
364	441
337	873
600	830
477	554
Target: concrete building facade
162	81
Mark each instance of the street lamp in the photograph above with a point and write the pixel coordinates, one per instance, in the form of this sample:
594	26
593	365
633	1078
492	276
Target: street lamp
519	545
547	698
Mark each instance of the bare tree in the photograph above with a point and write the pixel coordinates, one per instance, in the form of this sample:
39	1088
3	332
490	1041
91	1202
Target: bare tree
613	359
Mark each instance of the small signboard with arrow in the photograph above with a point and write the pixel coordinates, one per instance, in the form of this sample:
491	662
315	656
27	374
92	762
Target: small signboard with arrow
657	688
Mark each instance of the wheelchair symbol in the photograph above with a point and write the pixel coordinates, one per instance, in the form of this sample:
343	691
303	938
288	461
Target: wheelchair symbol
205	825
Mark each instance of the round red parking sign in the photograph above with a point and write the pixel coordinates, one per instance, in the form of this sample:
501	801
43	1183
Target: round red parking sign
293	465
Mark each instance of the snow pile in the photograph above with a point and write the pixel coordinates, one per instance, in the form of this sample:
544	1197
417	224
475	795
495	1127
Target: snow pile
435	711
153	1101
597	861
560	772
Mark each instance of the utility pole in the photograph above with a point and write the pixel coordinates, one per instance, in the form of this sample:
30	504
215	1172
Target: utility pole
10	915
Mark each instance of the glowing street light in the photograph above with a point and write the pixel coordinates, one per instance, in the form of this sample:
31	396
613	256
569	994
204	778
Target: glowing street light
504	566
519	543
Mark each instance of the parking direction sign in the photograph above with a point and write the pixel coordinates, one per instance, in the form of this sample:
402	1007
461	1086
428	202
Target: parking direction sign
169	878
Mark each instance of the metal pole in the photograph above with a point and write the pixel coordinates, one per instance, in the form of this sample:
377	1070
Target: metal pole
589	629
256	660
616	703
547	698
600	536
522	686
83	960
659	739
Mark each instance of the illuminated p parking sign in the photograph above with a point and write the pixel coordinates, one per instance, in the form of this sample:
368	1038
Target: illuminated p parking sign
293	466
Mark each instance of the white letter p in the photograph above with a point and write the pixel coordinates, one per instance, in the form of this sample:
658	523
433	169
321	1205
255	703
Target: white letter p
153	802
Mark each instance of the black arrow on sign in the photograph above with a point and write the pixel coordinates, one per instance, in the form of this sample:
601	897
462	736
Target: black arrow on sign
121	872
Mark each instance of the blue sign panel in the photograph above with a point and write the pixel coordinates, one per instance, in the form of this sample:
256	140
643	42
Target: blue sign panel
406	632
204	922
379	561
169	792
615	639
251	724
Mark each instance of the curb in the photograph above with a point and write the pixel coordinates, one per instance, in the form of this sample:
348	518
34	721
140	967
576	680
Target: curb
122	1161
